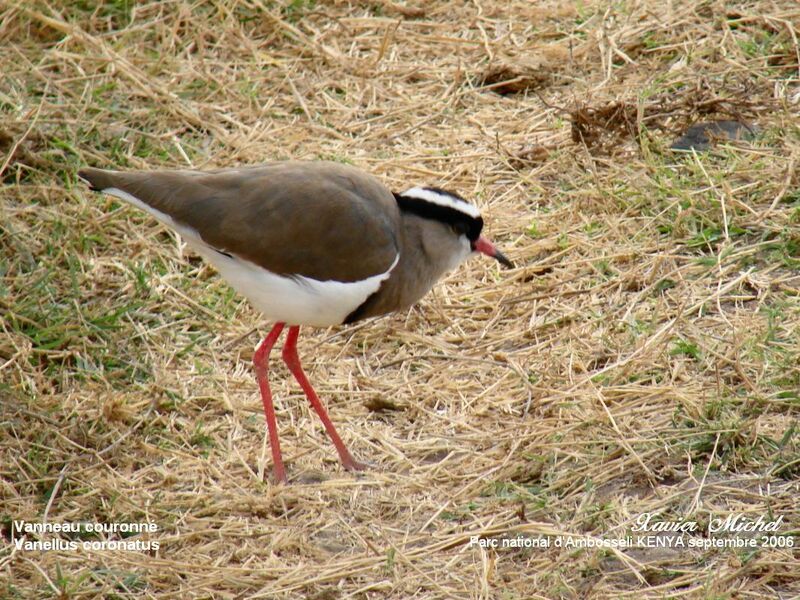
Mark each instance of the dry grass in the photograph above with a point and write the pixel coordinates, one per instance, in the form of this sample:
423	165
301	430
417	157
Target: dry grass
643	356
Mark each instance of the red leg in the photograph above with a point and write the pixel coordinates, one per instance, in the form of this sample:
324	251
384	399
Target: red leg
261	364
293	362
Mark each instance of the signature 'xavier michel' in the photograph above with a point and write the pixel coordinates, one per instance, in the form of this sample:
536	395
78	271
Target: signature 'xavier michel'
309	243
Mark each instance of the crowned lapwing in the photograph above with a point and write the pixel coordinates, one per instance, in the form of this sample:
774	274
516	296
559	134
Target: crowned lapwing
309	243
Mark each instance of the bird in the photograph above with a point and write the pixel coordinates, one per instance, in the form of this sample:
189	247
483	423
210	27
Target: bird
308	243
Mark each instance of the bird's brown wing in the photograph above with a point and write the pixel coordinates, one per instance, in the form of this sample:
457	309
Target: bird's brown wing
321	220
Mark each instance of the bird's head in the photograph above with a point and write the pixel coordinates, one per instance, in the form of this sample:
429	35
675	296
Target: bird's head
459	222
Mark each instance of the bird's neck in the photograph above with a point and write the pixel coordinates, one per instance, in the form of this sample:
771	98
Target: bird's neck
420	266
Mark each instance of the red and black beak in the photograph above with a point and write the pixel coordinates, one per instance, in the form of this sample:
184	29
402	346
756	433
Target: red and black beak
486	247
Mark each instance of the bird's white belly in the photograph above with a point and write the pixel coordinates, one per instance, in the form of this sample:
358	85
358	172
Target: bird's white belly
295	300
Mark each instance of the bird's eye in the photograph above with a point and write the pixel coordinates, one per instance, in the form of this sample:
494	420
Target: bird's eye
459	228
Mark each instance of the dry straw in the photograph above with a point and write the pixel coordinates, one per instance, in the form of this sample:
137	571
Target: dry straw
643	357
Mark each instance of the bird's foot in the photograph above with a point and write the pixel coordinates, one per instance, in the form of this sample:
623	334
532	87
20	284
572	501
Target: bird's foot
353	465
279	475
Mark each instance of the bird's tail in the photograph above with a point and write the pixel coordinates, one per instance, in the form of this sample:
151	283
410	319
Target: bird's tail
97	179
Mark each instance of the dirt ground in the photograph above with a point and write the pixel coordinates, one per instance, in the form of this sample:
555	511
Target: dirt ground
642	357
